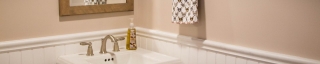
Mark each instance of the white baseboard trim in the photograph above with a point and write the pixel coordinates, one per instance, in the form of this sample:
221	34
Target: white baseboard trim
260	55
250	53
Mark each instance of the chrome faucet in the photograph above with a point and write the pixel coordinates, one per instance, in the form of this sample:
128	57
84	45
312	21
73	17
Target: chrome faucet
114	40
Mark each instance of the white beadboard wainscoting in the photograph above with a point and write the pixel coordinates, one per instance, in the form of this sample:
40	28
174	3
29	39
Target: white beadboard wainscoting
46	50
191	54
198	51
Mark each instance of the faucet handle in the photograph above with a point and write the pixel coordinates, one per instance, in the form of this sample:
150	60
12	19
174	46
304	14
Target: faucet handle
90	50
86	43
120	38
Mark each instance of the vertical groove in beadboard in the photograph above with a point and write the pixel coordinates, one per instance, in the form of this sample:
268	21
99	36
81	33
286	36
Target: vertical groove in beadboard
143	45
27	57
211	57
176	50
162	49
49	53
170	49
38	55
202	56
156	46
263	63
184	54
149	44
138	41
221	58
252	62
15	57
241	61
60	50
230	59
4	58
193	55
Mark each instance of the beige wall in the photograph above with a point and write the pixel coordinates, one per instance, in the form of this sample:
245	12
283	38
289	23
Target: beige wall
283	26
20	19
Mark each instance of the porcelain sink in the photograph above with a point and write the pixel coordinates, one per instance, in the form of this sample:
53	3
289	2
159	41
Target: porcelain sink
139	56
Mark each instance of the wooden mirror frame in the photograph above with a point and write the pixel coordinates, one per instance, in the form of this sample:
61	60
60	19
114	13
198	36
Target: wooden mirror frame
66	10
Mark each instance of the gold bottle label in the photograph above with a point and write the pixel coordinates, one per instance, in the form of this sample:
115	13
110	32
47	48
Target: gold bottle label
131	42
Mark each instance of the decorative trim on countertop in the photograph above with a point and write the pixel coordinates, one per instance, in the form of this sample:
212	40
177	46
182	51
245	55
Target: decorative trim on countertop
251	53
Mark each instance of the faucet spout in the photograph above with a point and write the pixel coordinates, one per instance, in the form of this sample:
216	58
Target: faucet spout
114	40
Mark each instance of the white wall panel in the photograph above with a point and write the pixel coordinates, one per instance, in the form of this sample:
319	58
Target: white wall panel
202	56
211	57
138	40
241	61
176	49
185	54
75	48
38	56
220	58
15	57
143	43
123	42
156	45
109	45
49	54
193	55
252	62
262	63
230	60
59	51
161	47
4	58
149	44
170	49
96	45
72	48
166	48
27	57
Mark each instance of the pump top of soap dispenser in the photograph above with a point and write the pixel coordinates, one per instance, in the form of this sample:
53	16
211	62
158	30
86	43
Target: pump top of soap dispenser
131	23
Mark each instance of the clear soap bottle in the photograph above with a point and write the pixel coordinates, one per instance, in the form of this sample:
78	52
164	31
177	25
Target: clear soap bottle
131	43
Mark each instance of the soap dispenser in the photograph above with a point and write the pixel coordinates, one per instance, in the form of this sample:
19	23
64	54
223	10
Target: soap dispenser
131	43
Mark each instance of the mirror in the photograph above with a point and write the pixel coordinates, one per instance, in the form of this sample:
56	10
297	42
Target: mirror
79	7
95	2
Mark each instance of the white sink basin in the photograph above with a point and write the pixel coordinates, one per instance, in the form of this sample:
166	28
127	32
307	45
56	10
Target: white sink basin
139	56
